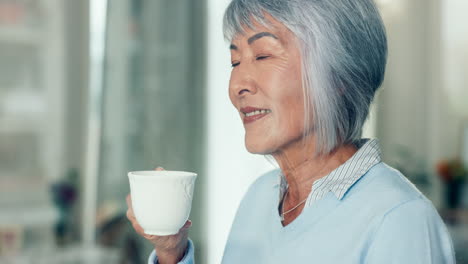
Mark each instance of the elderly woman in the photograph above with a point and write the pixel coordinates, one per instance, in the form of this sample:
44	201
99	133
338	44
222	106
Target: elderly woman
304	74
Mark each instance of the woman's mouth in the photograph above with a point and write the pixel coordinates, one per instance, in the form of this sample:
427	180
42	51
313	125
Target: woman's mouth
253	115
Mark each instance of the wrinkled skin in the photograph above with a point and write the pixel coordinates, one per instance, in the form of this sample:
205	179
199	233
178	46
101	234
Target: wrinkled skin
266	74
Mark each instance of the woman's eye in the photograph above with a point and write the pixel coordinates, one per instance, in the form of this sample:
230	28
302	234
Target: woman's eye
262	57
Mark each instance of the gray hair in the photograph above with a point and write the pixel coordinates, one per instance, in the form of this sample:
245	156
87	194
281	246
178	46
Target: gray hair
343	50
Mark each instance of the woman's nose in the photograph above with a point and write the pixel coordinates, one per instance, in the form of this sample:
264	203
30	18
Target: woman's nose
243	84
243	89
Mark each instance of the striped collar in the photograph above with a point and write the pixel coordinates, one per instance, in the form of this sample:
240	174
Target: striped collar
342	178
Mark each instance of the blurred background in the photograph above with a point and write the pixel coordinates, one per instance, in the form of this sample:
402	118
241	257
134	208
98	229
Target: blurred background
92	89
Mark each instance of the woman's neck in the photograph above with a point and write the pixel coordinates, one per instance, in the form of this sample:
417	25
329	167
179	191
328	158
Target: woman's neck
302	168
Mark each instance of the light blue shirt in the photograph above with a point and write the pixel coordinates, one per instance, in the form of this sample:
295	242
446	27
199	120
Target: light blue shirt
375	216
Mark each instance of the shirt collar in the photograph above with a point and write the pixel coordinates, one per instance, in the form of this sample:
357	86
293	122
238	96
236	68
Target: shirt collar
342	178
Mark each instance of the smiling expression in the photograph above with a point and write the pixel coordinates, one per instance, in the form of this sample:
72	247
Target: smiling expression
266	87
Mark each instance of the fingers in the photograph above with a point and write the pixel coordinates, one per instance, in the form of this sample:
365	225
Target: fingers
155	239
130	214
185	227
131	217
138	228
187	224
129	201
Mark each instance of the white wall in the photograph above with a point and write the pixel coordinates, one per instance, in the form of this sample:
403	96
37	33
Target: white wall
230	168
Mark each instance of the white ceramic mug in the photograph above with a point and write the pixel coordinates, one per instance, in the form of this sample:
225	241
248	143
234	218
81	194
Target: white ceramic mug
161	200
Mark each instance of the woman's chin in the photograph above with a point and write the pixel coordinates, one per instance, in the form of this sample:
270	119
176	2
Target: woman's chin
258	149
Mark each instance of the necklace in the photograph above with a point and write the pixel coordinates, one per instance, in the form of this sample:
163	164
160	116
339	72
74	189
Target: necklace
287	191
290	210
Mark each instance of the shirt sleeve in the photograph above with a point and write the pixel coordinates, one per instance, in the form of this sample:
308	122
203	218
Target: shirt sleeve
412	232
189	257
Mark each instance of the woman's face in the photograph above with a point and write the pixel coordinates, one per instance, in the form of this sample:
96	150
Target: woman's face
266	87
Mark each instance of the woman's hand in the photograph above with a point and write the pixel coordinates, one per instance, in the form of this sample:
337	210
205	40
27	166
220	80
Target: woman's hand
169	249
